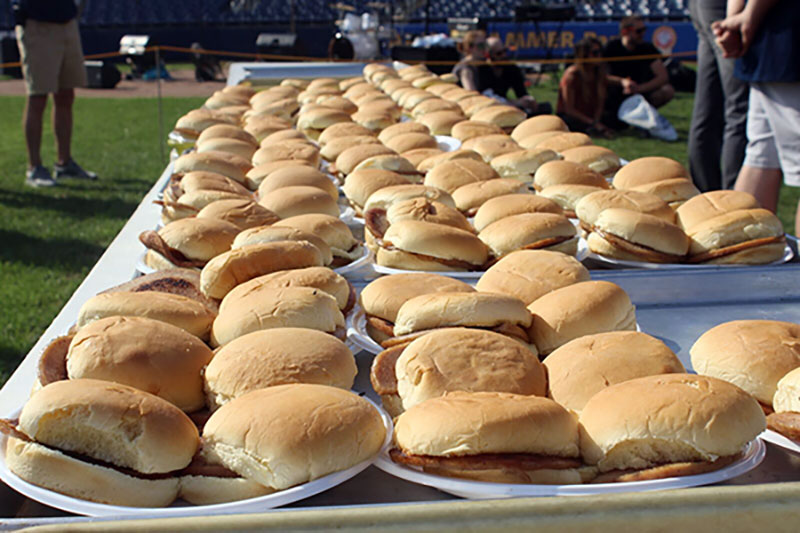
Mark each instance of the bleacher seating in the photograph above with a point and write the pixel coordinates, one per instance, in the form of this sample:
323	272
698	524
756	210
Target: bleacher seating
111	13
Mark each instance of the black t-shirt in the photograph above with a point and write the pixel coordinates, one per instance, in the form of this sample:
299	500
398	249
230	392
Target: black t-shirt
638	69
774	54
510	77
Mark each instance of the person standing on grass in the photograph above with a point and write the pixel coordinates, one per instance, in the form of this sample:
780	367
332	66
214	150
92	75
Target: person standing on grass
717	137
765	36
52	63
582	90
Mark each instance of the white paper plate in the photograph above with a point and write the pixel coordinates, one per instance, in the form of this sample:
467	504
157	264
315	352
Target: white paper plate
364	259
753	456
346	213
259	504
622	263
447	143
583	250
357	332
773	437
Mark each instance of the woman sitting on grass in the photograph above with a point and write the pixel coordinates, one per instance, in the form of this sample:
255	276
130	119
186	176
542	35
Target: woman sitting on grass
582	90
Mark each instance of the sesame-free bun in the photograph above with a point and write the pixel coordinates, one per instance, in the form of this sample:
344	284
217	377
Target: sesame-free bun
441	122
342	129
471	423
418	155
470	197
667	418
333	148
409	141
631	235
646	170
565	141
533	141
185	313
449	309
711	204
243	213
227	131
433	160
331	229
274	357
143	353
417	245
530	231
314	122
567	173
202	180
349	159
589	207
199	239
507	205
298	176
523	164
232	268
580	309
491	146
260	172
289	149
83	417
468	129
360	184
505	116
538	124
289	434
579	369
745	236
262	234
269	307
427	211
462	359
297	200
450	175
597	158
385	197
237	147
567	196
787	393
529	274
752	354
674	191
401	128
228	165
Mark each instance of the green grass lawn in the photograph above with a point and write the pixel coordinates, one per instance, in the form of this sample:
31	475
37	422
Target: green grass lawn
52	238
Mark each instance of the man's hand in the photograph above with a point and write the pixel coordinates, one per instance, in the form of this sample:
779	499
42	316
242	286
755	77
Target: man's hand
629	86
734	34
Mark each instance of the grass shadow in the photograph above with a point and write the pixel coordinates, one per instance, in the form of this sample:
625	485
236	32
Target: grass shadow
70	255
72	205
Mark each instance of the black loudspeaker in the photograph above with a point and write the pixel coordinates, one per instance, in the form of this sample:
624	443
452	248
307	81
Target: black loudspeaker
102	74
434	53
9	53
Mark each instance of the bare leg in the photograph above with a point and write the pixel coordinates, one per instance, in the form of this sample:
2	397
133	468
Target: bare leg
763	183
32	126
797	220
62	123
661	96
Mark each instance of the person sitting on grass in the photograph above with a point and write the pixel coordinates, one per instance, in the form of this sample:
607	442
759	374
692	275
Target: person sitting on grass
628	75
582	90
502	77
473	51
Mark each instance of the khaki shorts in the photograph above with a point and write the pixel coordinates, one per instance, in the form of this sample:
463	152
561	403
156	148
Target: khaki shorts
52	57
773	129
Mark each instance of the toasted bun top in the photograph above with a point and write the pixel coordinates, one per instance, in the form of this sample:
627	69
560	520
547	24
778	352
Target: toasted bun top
468	129
427	211
471	423
522	164
147	354
287	150
590	206
437	240
752	354
513	204
565	141
330	229
471	360
228	165
597	158
316	277
374	120
470	197
196	120
351	157
441	122
262	234
672	191
266	358
567	172
400	129
384	296
517	231
418	155
321	118
667	418
290	434
298	175
533	141
648	170
202	180
579	369
529	274
342	129
199	238
433	105
732	228
237	147
334	147
447	309
491	146
505	116
579	309
299	200
538	124
408	141
385	197
451	175
258	173
711	204
111	422
360	184
786	397
227	131
241	213
269	307
646	230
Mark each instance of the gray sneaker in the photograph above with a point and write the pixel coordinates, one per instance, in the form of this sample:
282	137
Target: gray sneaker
72	170
39	177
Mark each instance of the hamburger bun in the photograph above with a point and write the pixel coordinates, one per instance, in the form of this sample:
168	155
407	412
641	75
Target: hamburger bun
646	170
344	246
342	129
263	234
433	105
242	213
470	197
533	141
469	129
349	159
579	309
428	163
712	204
401	128
538	124
269	307
143	353
441	122
507	205
260	127
635	236
189	242
786	398
583	367
745	236
287	150
322	430
589	207
236	147
229	165
195	121
530	274
227	131
391	162
416	245
333	148
567	196
299	200
418	155
522	165
312	124
559	143
360	184
373	120
491	146
567	173
597	158
673	191
297	176
507	117
189	204
752	354
450	175
259	173
530	231
427	211
379	202
205	181
267	358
